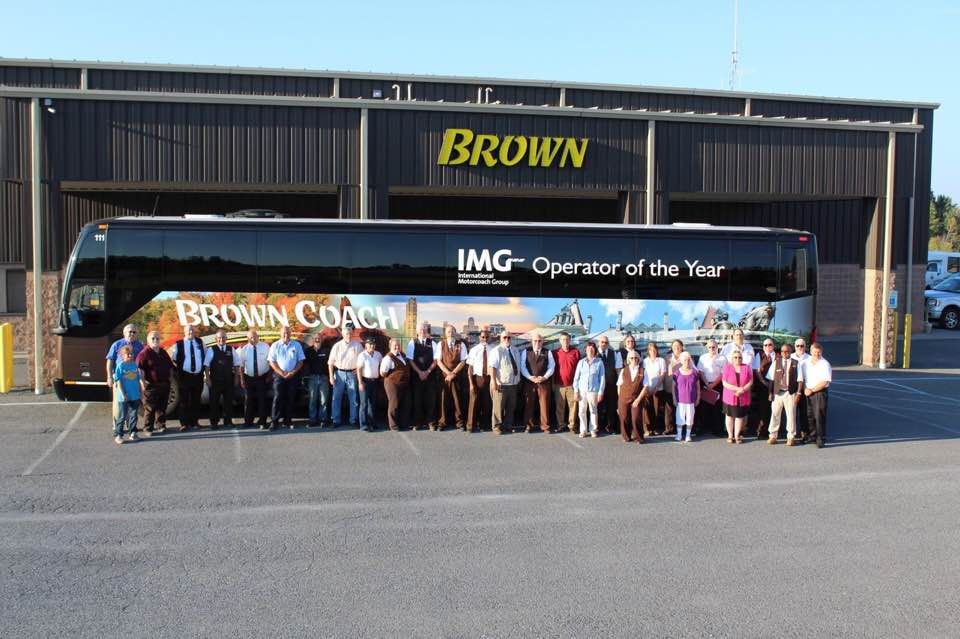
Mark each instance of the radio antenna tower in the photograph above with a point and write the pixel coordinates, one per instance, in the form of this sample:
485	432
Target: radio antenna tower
734	71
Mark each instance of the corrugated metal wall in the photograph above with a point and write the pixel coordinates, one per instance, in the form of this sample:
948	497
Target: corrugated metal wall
11	217
49	77
234	83
629	100
201	143
820	110
840	225
14	138
405	146
698	158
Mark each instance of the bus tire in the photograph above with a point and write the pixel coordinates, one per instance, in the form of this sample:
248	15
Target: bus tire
174	398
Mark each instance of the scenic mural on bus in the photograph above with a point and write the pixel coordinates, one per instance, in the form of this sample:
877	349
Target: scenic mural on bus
387	316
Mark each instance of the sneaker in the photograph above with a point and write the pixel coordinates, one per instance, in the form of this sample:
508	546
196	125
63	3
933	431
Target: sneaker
118	439
263	427
679	437
594	434
583	435
688	439
133	437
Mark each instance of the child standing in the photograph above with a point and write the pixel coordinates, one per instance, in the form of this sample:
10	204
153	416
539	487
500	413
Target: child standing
126	378
686	395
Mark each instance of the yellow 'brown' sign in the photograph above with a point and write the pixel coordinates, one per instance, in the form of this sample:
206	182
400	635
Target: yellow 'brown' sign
462	146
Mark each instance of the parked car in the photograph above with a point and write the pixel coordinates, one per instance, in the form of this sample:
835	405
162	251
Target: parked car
943	302
940	265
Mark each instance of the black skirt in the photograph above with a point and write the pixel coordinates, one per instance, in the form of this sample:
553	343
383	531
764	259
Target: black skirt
735	411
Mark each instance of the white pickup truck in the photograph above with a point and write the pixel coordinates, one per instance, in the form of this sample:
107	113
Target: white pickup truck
941	264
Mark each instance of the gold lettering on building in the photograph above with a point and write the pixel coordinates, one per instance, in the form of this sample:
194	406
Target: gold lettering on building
463	146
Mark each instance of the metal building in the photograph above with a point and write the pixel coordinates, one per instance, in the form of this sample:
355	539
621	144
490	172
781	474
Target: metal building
110	139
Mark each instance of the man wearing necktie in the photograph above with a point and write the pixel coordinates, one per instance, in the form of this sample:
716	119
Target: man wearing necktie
420	355
504	384
786	386
220	365
536	366
451	357
188	358
478	412
254	378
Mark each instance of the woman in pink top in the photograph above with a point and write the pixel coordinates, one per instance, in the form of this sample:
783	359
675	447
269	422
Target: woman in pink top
737	379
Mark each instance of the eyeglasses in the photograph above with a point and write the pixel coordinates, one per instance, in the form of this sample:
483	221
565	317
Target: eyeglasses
506	337
712	347
768	343
785	351
800	345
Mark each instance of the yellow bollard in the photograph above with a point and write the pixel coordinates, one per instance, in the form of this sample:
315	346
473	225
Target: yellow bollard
6	357
907	338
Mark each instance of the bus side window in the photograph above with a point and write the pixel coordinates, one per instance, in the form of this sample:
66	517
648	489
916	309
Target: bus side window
794	270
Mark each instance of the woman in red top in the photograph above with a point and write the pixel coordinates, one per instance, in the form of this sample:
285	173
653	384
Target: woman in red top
737	379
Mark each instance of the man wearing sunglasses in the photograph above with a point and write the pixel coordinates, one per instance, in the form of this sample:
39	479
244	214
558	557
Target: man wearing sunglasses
504	365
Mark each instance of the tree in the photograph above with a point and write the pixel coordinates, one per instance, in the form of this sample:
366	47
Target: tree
953	231
944	216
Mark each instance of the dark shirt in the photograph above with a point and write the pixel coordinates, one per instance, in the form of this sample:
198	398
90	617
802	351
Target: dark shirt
155	367
316	360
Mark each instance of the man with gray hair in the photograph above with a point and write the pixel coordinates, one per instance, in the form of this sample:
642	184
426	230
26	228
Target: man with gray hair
342	369
129	339
537	366
220	366
421	356
155	370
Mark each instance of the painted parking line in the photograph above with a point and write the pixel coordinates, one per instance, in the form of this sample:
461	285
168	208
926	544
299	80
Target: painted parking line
925	402
908	418
410	444
939	378
7	404
66	431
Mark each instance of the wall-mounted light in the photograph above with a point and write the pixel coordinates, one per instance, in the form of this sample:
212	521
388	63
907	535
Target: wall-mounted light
378	94
48	105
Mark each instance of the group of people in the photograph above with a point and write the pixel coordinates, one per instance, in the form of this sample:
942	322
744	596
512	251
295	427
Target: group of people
436	384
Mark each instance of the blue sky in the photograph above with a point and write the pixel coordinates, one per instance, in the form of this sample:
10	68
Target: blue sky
878	49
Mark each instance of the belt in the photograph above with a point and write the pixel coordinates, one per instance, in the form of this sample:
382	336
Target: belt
371	379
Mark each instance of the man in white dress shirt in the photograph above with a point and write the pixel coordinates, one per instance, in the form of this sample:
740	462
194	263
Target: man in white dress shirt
478	363
451	358
505	379
187	356
254	377
817	375
536	366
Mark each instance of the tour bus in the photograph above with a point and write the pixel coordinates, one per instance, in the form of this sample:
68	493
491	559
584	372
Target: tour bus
658	283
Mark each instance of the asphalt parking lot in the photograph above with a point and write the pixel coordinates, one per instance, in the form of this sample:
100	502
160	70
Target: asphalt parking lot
344	533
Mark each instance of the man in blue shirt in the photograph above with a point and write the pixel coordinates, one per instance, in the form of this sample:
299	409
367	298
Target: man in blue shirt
285	358
129	339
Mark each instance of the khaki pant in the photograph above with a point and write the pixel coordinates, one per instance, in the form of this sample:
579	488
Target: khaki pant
565	404
504	403
787	402
588	412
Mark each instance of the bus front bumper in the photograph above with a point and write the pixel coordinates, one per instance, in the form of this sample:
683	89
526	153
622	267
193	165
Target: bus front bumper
73	391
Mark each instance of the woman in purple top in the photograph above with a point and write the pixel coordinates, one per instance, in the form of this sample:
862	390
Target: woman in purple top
737	379
686	394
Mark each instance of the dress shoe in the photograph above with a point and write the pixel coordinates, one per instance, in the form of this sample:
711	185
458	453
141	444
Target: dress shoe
820	443
773	440
791	441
